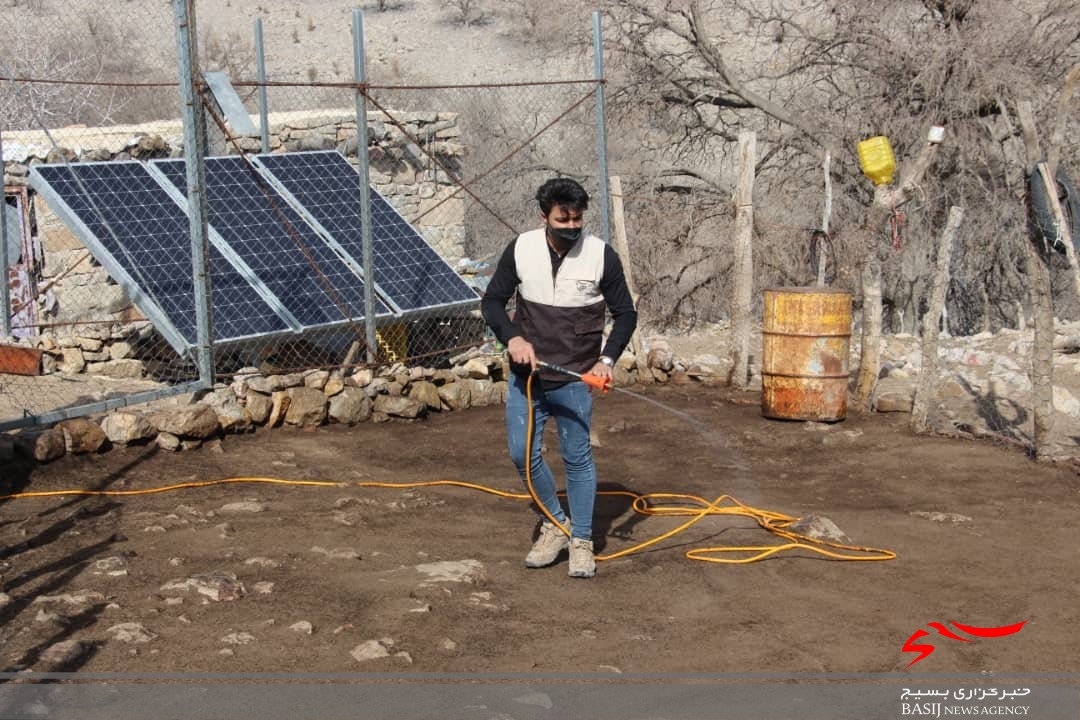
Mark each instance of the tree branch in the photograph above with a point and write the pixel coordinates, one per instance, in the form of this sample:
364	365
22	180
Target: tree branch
715	60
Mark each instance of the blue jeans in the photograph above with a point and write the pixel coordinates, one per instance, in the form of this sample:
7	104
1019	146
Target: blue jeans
571	406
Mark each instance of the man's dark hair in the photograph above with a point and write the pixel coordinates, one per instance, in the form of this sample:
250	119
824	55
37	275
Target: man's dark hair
562	191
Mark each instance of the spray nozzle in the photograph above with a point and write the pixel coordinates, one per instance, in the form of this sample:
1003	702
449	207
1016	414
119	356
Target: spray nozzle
603	384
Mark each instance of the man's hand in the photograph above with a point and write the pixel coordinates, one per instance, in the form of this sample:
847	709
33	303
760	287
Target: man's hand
602	370
521	351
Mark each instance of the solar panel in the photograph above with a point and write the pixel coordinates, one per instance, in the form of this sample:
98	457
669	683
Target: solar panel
287	255
408	272
141	235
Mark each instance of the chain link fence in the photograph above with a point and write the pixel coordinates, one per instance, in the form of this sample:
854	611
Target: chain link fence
306	273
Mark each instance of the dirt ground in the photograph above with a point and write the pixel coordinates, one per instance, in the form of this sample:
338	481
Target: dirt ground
350	560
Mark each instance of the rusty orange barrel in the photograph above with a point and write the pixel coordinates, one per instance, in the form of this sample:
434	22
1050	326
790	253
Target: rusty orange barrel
804	361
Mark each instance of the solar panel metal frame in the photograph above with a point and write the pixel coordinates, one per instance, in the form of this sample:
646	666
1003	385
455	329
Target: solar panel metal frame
224	246
402	313
59	205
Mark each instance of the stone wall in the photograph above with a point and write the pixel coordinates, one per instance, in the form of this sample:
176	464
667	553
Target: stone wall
89	314
982	389
319	397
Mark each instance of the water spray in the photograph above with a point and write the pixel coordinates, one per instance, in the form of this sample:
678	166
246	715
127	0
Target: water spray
604	384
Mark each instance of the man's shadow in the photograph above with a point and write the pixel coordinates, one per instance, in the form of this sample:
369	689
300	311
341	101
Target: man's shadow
612	514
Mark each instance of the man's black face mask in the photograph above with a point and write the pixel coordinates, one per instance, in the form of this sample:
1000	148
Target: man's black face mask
565	238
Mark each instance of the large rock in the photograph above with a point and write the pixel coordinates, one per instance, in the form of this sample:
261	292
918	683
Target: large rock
820	527
426	392
82	435
482	392
218	586
350	406
661	356
89	344
894	394
72	361
469	571
477	369
44	445
316	378
457	396
232	416
279	405
499	392
168	441
1066	403
362	377
273	383
124	426
401	406
126	368
120	350
370	650
258	406
333	386
307	407
131	632
197	421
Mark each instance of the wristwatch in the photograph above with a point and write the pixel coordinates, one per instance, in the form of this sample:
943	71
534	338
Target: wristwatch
606	360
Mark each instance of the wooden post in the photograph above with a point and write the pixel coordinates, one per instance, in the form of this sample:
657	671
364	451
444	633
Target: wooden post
346	364
924	390
1042	310
825	216
622	247
744	261
870	340
1042	361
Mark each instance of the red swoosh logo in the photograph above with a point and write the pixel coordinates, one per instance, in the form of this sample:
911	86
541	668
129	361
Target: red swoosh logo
982	632
923	650
990	632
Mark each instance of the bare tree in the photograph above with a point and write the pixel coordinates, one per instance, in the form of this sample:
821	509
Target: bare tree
468	12
96	50
817	76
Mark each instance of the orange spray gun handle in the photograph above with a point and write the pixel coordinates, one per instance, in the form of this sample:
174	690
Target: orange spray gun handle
603	384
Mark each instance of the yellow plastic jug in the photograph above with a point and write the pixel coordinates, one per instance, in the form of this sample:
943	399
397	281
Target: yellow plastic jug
876	159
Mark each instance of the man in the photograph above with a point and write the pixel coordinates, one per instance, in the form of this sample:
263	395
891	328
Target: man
565	280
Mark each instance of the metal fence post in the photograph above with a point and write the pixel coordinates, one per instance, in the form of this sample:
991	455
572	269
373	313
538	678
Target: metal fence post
5	294
360	72
601	132
264	111
194	153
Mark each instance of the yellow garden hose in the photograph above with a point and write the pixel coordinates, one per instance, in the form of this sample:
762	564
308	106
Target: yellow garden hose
694	507
775	523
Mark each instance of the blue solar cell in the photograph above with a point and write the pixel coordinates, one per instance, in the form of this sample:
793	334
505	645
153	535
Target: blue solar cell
270	237
135	228
407	270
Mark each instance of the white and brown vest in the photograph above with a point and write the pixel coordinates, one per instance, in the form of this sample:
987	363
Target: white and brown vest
561	315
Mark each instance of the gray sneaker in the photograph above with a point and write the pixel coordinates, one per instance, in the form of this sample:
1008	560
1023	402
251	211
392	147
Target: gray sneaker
582	562
547	547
